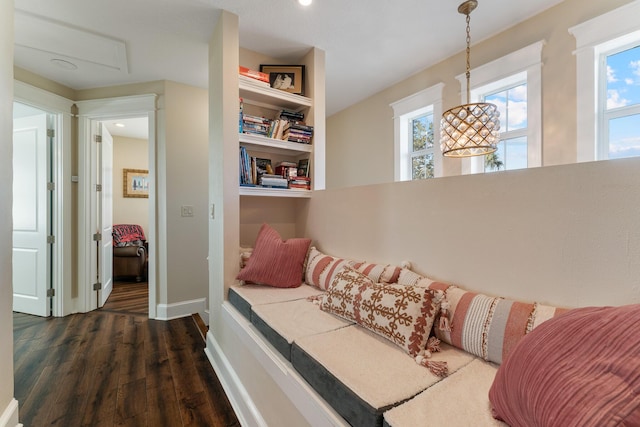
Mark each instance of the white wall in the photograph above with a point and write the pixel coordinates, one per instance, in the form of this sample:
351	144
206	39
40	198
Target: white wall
565	235
8	407
129	153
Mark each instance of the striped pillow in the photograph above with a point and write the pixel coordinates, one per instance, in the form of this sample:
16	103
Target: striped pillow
275	262
322	269
578	369
486	326
489	327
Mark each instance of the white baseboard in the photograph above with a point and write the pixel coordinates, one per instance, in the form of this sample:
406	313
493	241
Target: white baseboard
205	316
9	417
181	309
246	411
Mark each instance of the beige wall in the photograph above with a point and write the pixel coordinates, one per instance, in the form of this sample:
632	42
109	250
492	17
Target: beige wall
360	138
567	235
187	139
6	188
129	153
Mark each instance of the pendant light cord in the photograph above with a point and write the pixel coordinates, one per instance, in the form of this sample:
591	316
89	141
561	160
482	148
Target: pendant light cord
468	57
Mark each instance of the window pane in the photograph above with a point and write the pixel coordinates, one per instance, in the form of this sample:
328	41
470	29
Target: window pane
422	132
624	137
516	149
623	78
512	104
422	166
511	154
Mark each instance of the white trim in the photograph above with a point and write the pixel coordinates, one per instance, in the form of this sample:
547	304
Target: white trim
401	110
61	108
305	399
101	109
9	417
181	309
246	411
617	27
493	75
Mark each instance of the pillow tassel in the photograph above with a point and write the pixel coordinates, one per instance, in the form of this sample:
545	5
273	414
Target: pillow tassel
444	324
438	368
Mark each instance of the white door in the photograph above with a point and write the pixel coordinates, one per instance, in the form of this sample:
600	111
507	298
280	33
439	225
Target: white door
30	207
105	209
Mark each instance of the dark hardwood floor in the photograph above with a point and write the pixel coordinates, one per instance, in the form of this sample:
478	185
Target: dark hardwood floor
115	367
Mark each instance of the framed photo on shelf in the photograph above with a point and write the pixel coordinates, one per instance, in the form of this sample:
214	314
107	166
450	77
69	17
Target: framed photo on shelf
135	183
289	78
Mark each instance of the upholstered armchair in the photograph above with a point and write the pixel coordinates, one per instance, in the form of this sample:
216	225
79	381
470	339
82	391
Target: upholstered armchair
129	252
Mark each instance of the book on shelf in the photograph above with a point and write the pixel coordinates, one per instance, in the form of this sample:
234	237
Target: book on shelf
254	76
303	168
301	182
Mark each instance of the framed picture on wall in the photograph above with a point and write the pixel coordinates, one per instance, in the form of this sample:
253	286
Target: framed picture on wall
135	183
289	78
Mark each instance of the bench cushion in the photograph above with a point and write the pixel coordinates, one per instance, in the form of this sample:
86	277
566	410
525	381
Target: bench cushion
459	401
357	372
243	297
282	323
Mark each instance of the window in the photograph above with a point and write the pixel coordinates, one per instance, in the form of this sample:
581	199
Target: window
421	146
417	134
620	120
608	91
514	84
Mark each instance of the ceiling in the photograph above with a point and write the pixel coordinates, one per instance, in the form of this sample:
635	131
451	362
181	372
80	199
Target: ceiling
369	44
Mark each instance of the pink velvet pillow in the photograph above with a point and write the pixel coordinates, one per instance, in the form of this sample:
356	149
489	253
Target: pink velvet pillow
275	262
577	369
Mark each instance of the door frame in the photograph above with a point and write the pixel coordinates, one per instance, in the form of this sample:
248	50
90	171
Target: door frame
61	266
101	110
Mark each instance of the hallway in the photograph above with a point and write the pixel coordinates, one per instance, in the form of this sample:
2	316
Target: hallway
115	367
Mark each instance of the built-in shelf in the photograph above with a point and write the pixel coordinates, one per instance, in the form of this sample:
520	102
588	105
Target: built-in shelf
275	192
270	145
272	98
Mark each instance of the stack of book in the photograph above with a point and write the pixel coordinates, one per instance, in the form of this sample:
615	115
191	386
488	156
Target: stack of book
273	181
300	182
253	77
297	130
288	170
256	125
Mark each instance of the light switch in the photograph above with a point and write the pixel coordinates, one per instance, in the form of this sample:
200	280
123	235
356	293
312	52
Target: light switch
187	211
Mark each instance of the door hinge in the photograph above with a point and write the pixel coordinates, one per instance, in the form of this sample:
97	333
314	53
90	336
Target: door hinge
97	237
51	186
98	138
51	239
51	293
51	133
98	187
97	286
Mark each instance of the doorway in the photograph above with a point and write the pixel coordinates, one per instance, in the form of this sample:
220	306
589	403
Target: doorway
106	113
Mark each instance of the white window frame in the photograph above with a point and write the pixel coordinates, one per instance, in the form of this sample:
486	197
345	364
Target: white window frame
427	101
594	38
523	65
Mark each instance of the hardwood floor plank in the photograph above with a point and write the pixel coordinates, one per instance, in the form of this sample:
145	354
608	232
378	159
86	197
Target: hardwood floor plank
115	368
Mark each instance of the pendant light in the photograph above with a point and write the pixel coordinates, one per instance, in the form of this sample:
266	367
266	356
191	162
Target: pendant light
472	129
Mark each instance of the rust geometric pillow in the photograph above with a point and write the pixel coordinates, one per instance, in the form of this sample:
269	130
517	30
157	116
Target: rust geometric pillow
402	314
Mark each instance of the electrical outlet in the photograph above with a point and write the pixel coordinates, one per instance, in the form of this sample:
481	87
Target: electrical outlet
186	211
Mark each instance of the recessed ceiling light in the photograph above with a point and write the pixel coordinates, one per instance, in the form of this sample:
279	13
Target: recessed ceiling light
305	2
120	125
64	64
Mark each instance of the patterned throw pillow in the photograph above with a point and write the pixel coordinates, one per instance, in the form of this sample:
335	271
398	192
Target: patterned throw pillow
321	269
275	262
402	314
